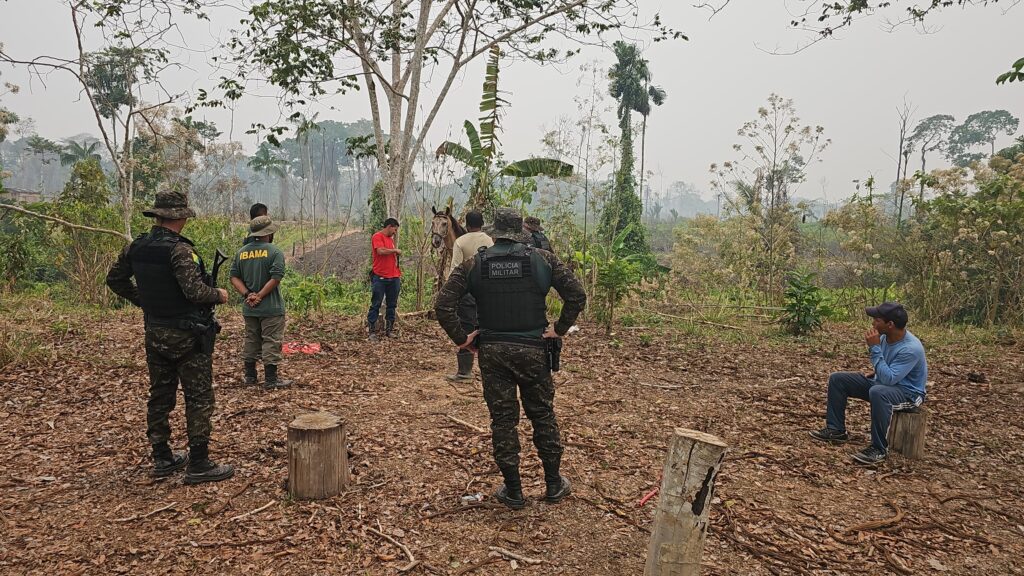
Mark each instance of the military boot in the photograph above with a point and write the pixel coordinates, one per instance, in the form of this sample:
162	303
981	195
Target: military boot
511	492
372	330
272	381
389	329
166	462
202	469
250	374
465	372
558	486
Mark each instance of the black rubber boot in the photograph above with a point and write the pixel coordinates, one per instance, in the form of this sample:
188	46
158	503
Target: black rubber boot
250	374
465	373
371	329
557	490
511	492
389	329
166	462
202	469
272	381
558	486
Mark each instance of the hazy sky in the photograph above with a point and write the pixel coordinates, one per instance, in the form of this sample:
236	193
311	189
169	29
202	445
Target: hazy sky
852	85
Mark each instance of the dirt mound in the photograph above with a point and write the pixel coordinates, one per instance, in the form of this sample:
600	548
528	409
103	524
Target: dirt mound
347	257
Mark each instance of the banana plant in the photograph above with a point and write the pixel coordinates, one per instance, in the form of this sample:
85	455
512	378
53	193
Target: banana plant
482	156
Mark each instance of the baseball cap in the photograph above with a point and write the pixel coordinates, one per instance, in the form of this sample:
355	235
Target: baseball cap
891	311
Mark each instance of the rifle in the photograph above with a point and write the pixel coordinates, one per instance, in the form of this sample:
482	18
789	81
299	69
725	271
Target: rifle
208	333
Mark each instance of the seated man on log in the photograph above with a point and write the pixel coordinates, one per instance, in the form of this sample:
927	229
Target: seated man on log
897	382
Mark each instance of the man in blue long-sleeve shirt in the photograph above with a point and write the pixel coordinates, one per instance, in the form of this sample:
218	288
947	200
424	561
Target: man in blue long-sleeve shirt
897	382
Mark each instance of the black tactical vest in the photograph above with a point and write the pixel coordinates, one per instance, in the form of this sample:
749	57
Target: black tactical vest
540	241
161	296
510	283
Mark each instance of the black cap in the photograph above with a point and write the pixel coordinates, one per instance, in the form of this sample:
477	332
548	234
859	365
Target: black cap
892	311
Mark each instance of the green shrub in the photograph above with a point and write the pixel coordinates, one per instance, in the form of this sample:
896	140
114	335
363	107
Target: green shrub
805	306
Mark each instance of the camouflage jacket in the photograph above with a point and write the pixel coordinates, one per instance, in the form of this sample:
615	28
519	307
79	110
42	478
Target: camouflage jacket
185	267
562	280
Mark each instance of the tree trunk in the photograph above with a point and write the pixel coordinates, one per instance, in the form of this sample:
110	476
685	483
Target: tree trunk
645	200
317	456
687	488
920	197
907	432
283	197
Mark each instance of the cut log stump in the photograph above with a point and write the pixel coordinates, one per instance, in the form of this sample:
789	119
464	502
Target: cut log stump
317	456
907	432
687	487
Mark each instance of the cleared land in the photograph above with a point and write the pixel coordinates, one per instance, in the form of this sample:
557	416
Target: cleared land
75	496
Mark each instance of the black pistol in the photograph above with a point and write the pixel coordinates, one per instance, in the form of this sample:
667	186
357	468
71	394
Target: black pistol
554	353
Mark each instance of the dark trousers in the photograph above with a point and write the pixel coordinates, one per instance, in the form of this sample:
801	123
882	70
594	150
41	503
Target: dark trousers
173	357
884	399
506	369
383	289
468	318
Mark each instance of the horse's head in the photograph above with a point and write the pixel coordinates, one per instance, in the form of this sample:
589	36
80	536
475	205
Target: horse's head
439	227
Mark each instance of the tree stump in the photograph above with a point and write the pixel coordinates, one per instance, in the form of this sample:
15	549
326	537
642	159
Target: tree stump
317	456
907	432
687	487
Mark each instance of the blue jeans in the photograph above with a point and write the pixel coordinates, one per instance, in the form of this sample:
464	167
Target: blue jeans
383	288
883	399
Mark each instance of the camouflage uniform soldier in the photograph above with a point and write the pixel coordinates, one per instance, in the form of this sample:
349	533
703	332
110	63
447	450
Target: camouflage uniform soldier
178	310
510	282
533	228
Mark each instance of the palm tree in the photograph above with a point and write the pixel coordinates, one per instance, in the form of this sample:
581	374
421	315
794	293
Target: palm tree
272	165
74	152
630	85
482	153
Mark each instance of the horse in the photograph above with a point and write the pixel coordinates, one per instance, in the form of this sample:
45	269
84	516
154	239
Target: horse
444	229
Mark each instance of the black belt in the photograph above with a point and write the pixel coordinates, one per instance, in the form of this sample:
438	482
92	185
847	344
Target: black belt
533	341
176	323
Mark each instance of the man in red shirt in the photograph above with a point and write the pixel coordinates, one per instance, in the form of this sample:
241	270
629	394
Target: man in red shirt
386	278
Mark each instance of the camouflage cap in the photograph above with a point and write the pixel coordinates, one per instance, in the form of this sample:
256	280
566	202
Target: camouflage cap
533	223
508	224
262	226
170	204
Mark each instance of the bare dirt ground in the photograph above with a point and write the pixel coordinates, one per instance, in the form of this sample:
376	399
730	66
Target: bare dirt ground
345	256
76	498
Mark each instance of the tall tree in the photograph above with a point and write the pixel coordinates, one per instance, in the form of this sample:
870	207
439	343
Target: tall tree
46	151
267	162
979	129
773	161
75	152
111	78
930	136
315	48
903	158
629	84
657	96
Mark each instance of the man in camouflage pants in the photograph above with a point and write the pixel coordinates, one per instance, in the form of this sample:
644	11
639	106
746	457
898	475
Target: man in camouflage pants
510	282
177	305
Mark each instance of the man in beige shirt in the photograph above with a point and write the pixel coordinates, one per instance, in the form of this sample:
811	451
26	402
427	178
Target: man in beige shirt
465	248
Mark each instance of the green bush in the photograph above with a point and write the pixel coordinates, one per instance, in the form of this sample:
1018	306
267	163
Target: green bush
26	250
805	307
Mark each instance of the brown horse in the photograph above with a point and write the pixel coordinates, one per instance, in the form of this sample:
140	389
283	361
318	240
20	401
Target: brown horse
444	229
